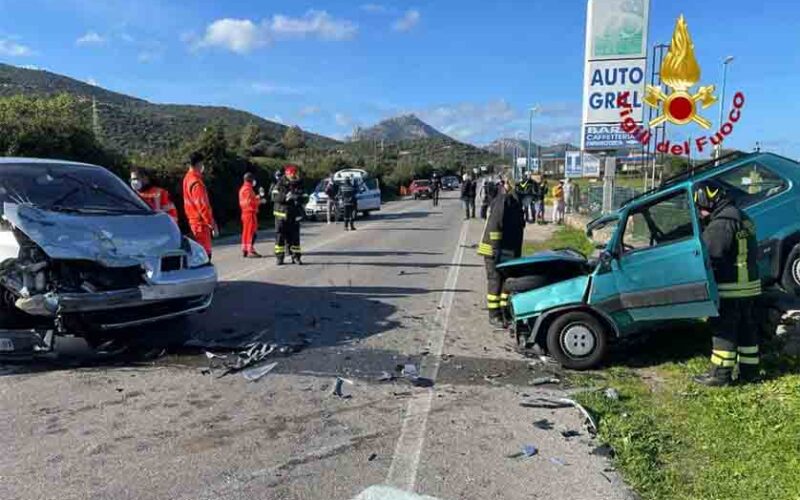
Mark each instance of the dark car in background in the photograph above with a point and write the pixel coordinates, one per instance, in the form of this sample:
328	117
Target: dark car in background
451	183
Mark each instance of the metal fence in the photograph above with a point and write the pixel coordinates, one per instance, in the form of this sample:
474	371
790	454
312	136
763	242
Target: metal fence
591	199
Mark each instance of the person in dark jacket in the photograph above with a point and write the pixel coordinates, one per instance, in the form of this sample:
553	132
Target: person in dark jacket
501	241
436	187
468	191
488	193
347	197
289	200
525	191
544	188
730	238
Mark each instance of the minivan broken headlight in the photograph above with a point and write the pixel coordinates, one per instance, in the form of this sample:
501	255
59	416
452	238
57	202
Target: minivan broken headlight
197	254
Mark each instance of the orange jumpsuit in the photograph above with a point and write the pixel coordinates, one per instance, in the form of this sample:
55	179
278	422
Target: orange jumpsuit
158	199
249	203
198	209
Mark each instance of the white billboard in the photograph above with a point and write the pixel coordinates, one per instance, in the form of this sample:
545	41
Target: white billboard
616	62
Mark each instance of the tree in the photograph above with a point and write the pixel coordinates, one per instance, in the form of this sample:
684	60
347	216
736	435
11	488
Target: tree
52	127
250	139
294	138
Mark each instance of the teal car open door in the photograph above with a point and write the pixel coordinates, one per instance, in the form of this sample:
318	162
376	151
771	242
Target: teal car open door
656	267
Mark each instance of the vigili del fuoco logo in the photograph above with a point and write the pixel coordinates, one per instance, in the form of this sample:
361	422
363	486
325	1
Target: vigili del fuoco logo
680	72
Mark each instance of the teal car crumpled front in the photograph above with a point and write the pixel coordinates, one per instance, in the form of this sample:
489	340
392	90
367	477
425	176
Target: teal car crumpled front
652	266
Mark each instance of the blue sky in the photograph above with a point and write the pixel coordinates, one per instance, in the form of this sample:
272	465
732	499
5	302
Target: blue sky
471	68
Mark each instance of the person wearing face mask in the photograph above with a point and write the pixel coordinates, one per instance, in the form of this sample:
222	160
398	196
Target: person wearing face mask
249	203
157	198
197	205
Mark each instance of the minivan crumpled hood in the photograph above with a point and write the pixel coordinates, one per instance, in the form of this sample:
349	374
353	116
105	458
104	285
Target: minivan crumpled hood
111	240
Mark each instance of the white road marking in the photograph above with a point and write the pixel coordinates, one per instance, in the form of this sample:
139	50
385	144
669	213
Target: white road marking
405	463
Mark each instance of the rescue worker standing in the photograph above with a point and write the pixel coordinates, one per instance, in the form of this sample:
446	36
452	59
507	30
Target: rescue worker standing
501	241
436	186
525	192
730	237
249	202
468	196
156	198
488	194
289	200
347	197
196	204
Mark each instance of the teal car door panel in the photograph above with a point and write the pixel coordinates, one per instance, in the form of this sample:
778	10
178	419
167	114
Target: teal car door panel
660	271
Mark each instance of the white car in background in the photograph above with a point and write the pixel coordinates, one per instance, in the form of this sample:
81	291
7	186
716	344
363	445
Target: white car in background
368	197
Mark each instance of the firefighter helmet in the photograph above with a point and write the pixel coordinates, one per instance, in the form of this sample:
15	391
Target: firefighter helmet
708	195
290	171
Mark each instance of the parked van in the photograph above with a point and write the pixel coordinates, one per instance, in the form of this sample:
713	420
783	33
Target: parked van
368	196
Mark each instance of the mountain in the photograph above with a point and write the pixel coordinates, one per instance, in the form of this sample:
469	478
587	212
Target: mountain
133	125
398	129
505	147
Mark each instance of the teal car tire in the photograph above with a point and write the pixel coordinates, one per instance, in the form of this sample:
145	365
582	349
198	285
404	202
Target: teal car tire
577	340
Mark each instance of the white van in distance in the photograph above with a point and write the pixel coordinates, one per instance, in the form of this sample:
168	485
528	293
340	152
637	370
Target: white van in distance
368	197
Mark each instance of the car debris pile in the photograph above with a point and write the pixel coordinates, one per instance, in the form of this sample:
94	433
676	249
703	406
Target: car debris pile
250	360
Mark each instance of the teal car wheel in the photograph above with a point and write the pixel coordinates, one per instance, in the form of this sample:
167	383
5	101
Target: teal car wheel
577	340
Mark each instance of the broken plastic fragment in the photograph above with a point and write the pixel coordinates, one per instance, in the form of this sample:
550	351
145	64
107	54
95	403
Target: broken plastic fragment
529	450
612	394
545	380
557	461
570	433
543	424
256	372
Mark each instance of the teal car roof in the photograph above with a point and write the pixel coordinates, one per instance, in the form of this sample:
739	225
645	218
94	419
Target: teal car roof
784	166
540	257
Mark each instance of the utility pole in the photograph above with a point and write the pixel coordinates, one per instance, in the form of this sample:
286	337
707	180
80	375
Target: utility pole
725	62
530	138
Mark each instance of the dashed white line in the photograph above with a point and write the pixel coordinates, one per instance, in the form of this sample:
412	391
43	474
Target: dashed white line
405	462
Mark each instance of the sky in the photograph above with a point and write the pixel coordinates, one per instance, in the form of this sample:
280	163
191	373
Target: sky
471	68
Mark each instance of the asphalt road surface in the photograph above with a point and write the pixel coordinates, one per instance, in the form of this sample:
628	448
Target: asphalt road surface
406	287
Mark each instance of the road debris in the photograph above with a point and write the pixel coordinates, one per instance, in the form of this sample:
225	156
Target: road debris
543	424
570	434
556	403
410	372
372	457
545	380
611	394
254	373
252	354
604	450
338	385
528	451
558	461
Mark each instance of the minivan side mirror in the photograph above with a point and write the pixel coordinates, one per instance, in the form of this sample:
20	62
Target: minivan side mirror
606	257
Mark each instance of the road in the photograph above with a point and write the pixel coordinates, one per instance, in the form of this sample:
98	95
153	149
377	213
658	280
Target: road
406	287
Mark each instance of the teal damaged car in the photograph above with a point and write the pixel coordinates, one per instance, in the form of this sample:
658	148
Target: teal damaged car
652	266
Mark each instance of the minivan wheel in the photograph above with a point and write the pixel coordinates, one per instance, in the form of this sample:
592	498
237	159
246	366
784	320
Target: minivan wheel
577	340
790	281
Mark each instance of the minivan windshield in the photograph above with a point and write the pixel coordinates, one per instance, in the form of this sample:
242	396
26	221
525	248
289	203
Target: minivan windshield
67	188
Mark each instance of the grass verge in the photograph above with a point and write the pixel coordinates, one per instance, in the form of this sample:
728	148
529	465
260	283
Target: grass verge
564	237
676	440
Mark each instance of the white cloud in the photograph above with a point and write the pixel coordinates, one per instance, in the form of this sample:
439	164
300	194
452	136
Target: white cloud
31	67
269	88
374	8
308	111
90	38
409	20
343	120
314	24
237	35
13	49
467	121
275	118
243	35
92	81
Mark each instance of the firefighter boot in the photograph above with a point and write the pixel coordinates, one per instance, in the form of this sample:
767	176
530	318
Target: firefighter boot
352	226
496	319
279	260
749	374
716	377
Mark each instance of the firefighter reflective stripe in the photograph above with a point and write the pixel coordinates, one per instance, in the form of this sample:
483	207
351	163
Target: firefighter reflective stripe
725	359
748	355
493	305
485	249
503	299
280	250
740	290
742	276
492	301
295	249
492	298
495	235
279	215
